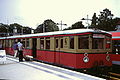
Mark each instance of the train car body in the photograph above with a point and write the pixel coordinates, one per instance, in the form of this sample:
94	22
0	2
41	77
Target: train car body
115	56
78	49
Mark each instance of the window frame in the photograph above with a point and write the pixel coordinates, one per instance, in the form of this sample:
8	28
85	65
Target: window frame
47	43
42	39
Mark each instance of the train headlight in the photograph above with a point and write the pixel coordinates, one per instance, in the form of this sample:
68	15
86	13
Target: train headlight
86	59
108	58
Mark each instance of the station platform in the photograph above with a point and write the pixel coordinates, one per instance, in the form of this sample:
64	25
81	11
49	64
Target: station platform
12	69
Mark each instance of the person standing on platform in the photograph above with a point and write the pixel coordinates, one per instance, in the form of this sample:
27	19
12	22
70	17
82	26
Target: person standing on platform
15	48
20	51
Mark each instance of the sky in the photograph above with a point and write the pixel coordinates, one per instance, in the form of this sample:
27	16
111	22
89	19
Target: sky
33	12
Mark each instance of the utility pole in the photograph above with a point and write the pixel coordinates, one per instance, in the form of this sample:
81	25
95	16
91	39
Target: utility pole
61	24
43	27
87	21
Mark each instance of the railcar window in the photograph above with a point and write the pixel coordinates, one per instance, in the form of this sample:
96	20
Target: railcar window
23	42
12	42
108	42
56	43
42	43
61	41
98	43
7	43
71	42
1	44
116	46
83	42
47	43
27	43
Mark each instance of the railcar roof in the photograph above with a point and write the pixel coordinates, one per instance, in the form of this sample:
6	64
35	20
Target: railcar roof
74	31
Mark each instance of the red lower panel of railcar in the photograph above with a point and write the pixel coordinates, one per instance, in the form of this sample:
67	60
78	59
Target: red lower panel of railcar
45	56
9	51
27	52
94	60
73	60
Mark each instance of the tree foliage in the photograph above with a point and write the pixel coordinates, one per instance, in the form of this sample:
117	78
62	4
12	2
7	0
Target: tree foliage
76	25
39	29
17	26
3	29
94	20
104	21
48	26
6	30
20	29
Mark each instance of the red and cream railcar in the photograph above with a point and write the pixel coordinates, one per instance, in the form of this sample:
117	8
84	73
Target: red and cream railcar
79	48
115	56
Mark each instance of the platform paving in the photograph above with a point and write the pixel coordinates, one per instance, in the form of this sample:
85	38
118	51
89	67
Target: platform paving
12	69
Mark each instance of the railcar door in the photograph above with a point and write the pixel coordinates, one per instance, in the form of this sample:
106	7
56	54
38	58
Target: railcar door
57	49
34	45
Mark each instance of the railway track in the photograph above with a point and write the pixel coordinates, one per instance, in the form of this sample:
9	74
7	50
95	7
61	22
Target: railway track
111	76
114	76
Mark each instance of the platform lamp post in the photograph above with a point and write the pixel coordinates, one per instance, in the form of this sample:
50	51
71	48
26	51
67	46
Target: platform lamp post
87	21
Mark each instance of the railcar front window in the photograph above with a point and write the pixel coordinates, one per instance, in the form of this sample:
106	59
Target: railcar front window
83	42
98	43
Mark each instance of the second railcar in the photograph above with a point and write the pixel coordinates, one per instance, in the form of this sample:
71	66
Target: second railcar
115	56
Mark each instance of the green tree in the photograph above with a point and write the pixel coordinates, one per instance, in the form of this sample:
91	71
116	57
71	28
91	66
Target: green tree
105	20
4	29
48	26
94	21
76	25
115	23
39	29
26	30
20	29
17	26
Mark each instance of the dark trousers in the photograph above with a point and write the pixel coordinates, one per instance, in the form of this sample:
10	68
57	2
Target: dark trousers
20	55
